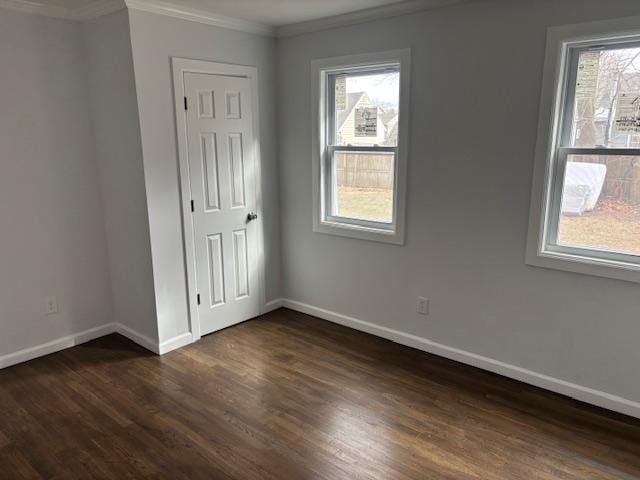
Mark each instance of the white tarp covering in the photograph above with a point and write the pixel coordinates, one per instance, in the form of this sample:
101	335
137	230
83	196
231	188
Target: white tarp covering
582	187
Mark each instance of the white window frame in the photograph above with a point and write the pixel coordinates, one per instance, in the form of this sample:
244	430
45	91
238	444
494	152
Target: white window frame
323	221
552	152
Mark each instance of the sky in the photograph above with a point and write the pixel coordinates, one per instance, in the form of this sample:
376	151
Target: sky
382	88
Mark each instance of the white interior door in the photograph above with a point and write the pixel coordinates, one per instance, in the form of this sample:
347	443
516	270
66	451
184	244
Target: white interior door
221	151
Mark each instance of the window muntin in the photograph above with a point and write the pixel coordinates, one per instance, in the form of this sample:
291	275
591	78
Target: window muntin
594	207
361	151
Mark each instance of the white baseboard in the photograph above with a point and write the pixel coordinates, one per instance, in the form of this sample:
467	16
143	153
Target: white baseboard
137	337
88	335
273	305
578	392
159	348
174	343
56	345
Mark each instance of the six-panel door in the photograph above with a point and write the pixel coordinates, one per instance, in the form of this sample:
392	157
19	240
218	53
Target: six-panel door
222	173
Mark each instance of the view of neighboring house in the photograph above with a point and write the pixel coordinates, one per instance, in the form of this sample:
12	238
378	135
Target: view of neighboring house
381	127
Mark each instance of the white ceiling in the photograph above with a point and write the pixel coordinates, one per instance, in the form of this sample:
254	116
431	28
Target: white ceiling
268	12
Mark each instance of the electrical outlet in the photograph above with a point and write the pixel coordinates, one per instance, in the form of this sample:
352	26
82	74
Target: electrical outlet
52	305
423	306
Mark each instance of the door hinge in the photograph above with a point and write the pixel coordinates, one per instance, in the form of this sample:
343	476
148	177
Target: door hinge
193	208
198	297
186	105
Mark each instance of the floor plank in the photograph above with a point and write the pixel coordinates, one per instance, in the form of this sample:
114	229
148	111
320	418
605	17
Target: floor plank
288	396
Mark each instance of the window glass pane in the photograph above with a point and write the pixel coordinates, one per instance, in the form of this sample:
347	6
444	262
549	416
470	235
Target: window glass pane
607	99
363	185
600	206
366	108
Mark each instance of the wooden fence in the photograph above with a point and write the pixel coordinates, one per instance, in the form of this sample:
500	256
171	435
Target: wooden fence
377	171
623	176
365	171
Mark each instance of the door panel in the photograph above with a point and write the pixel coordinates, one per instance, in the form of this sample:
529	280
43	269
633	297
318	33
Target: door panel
234	110
221	151
216	269
210	171
234	140
206	104
241	263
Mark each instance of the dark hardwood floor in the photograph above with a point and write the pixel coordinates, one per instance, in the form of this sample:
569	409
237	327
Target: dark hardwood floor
288	397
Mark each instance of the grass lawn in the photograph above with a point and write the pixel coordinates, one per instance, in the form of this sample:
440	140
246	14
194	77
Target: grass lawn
612	225
366	203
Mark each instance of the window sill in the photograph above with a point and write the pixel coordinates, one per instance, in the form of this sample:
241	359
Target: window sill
358	231
585	265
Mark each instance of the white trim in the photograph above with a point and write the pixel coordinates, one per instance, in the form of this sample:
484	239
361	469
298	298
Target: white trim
558	41
180	66
174	343
584	394
176	10
87	12
35	8
273	305
56	345
578	392
363	16
92	334
208	18
170	9
167	346
319	72
137	338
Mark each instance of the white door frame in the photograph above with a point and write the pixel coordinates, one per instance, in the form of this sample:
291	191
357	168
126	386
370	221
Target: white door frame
181	66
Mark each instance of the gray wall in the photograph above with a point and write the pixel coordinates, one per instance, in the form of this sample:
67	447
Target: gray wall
51	220
476	77
114	110
155	39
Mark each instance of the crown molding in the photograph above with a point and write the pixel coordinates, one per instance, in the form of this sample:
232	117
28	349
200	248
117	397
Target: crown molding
168	8
200	16
105	7
363	16
93	10
34	8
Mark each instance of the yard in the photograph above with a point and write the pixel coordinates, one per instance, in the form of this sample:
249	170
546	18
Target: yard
613	225
366	203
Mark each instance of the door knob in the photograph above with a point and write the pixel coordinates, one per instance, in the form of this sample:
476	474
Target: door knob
252	216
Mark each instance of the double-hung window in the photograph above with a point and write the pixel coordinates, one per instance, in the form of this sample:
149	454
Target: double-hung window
360	145
590	208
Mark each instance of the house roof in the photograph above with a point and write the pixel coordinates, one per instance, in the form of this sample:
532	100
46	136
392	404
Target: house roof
392	128
352	101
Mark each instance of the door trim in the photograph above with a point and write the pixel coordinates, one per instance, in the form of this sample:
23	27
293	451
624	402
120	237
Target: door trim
180	66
